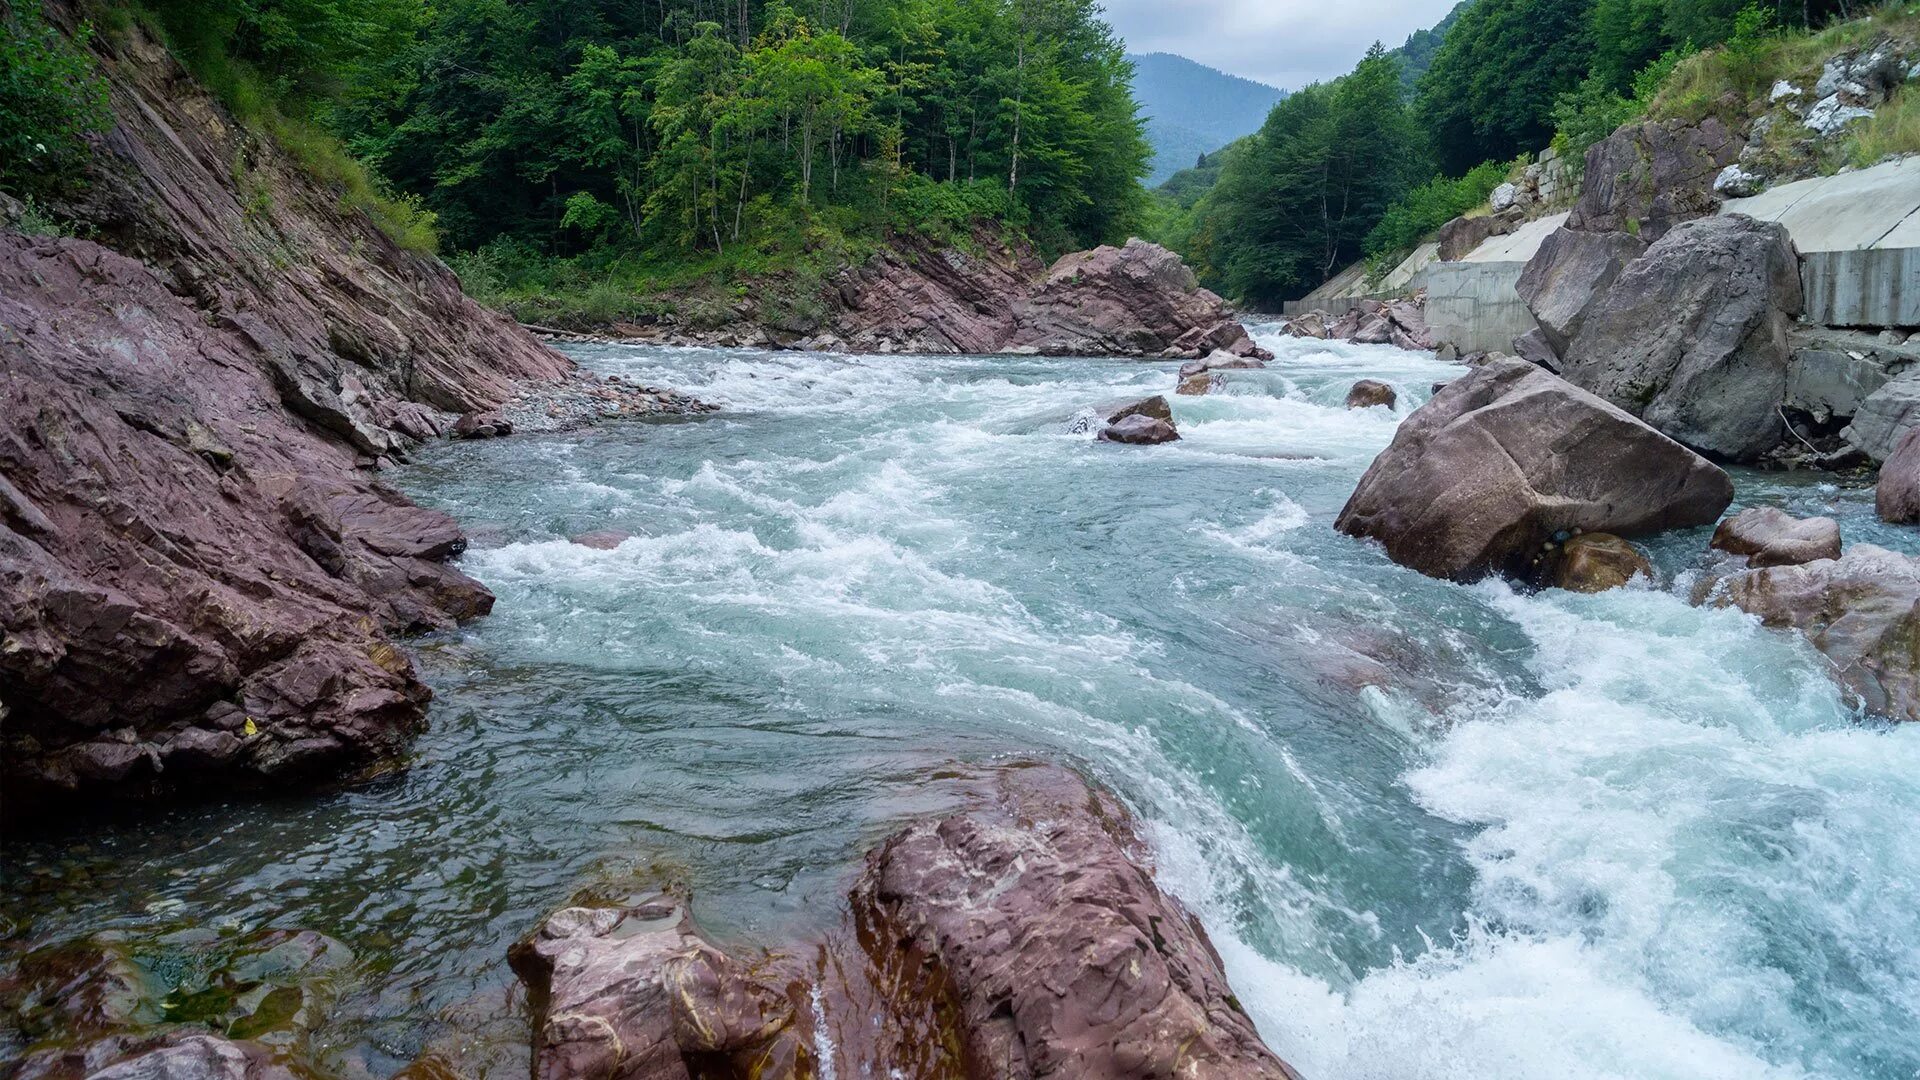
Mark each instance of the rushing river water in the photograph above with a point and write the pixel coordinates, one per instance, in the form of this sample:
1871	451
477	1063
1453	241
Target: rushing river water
1532	836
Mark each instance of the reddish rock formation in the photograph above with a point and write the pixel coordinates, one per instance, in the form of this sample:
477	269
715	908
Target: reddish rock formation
1510	458
1861	610
1896	496
198	577
1137	300
1769	536
1020	938
1140	430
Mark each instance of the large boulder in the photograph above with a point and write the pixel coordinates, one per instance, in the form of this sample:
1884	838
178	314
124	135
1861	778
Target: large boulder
1509	458
1139	430
634	993
1060	955
1367	393
1596	562
1135	300
1646	178
1897	495
1886	416
1692	337
1572	269
1461	235
1769	536
1862	610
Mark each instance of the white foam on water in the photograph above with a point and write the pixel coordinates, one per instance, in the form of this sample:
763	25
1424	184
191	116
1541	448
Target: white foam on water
1692	863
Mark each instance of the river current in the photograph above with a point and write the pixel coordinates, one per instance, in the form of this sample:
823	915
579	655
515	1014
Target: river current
1436	831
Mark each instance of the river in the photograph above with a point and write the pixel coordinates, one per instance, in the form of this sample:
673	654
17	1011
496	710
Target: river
1557	836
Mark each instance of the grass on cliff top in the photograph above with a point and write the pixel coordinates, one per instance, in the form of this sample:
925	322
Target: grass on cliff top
1726	81
251	101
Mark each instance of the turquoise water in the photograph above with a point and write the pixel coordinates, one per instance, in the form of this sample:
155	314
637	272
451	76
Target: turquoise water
1533	836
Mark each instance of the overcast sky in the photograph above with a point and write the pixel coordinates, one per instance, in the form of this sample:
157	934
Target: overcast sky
1284	43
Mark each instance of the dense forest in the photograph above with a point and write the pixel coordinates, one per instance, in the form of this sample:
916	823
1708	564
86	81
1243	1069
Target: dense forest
1366	164
610	137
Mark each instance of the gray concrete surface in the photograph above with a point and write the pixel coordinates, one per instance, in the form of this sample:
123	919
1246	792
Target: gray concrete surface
1859	240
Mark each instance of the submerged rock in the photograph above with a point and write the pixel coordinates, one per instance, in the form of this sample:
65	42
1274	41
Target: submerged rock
1862	610
1140	430
601	539
1367	393
1596	562
1769	536
1503	459
1692	336
1061	956
176	1055
1198	384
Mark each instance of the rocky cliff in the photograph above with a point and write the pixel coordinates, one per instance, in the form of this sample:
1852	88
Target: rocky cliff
200	575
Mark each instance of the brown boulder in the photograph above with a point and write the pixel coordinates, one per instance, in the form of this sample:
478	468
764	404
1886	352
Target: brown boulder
1501	460
634	993
1060	955
481	425
1313	324
1769	536
1461	235
1136	300
1370	392
1139	430
1195	385
1692	336
1596	562
1897	495
1155	407
1862	610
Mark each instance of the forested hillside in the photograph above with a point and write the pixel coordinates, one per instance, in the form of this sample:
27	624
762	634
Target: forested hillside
1365	164
595	145
1192	109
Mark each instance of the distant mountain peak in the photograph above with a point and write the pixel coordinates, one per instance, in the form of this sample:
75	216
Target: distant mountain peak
1193	109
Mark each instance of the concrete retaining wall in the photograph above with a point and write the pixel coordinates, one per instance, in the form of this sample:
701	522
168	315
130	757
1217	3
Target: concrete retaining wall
1472	304
1859	240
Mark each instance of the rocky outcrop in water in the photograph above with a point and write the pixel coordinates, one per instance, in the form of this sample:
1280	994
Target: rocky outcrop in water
200	578
1896	496
1368	393
1769	536
1140	431
1401	323
1862	610
1692	335
1596	562
1509	459
1020	938
1061	956
996	296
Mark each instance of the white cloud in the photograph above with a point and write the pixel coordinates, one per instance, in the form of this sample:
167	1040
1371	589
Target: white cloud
1286	43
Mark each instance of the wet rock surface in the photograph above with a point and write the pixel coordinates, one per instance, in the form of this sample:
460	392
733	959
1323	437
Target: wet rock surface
1368	393
1139	430
1060	955
1596	562
1862	610
1505	459
1769	536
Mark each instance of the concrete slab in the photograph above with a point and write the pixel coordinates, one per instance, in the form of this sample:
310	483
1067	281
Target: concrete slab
1400	276
1847	212
1517	246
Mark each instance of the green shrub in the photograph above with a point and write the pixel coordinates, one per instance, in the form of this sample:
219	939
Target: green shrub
1429	206
51	99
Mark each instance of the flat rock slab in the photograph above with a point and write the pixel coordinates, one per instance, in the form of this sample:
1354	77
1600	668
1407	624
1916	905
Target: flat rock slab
1769	536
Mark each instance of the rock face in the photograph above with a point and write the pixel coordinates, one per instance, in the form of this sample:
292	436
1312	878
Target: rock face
634	993
1370	392
198	576
1646	178
1769	536
1692	336
1463	234
1508	458
1897	495
1564	277
1886	415
1022	937
1135	300
1596	562
1061	957
1139	430
174	1056
1860	610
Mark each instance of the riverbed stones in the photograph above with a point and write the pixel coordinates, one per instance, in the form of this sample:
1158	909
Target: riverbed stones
1219	360
1060	955
1139	430
1862	610
1508	458
1197	384
635	993
1769	536
1692	336
182	1054
488	424
601	539
1597	562
1368	393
